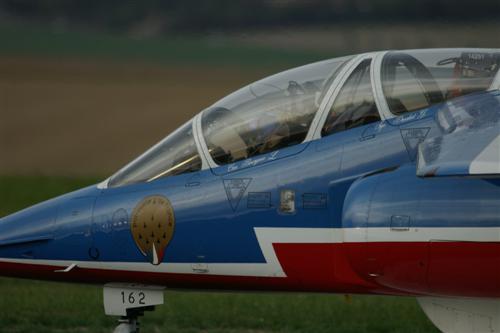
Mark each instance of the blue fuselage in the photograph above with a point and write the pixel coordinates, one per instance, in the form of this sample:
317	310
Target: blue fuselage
217	211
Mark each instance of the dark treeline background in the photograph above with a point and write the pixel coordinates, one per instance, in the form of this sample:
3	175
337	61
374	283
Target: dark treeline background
154	17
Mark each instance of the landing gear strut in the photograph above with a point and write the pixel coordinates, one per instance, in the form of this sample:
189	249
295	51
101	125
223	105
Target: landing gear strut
130	301
130	322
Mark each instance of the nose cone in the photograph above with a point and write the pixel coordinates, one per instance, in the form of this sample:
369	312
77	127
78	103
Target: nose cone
29	225
36	223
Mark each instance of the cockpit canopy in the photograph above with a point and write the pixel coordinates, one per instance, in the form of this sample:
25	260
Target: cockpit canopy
267	115
277	112
414	80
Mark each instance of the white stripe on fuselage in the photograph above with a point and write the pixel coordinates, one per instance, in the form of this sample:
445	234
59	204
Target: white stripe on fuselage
265	236
451	234
269	236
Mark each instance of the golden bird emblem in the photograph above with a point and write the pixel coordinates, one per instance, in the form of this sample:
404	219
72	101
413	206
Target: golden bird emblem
152	227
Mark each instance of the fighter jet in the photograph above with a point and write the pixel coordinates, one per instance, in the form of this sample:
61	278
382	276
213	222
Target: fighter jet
370	174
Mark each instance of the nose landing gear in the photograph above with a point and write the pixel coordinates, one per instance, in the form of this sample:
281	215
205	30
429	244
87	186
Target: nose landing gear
130	322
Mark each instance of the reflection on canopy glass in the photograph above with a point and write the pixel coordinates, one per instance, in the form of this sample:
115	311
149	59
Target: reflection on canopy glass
175	155
270	114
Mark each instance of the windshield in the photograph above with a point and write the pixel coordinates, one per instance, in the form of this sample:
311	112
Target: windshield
270	114
176	154
417	79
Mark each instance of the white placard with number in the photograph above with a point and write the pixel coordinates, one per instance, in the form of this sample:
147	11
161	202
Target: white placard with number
118	297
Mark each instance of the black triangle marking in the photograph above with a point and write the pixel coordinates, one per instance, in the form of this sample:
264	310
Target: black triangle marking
235	189
412	137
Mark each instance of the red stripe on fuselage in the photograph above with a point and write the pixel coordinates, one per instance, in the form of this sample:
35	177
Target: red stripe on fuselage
438	268
465	269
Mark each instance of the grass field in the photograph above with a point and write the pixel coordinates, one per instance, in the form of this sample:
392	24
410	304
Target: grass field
27	306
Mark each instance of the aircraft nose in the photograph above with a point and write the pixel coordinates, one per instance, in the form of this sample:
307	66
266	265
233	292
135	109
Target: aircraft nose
29	225
37	223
